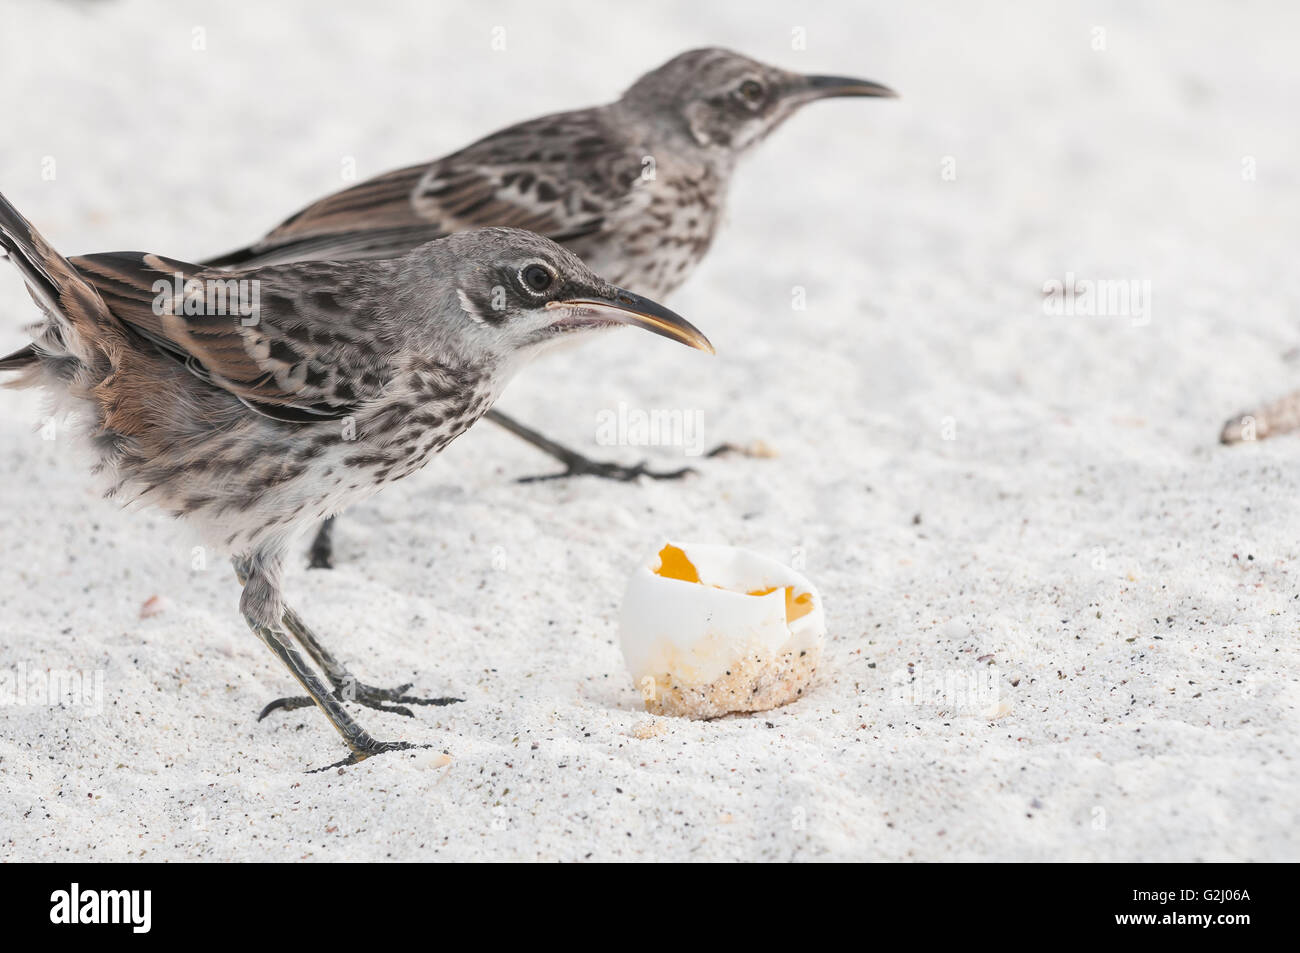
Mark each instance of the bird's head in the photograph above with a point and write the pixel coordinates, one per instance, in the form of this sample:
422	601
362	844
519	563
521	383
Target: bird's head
513	292
725	102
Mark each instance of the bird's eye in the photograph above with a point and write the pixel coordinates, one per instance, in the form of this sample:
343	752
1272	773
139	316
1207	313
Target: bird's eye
536	278
752	90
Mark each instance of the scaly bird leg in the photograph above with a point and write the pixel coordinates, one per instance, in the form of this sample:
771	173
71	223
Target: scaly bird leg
346	686
357	738
575	464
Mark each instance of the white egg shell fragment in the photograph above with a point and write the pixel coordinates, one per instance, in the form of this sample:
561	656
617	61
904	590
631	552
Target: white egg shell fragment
708	630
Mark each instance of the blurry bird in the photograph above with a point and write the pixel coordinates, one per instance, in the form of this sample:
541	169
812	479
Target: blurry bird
257	402
636	188
1268	420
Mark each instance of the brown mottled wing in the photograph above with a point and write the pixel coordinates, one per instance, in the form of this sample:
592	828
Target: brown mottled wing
285	340
561	176
382	202
372	220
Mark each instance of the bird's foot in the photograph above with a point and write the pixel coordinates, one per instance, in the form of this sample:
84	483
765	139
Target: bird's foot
392	700
1268	420
578	465
360	752
757	450
1245	428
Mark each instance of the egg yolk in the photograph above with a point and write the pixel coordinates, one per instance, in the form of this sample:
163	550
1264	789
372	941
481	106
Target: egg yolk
796	607
674	564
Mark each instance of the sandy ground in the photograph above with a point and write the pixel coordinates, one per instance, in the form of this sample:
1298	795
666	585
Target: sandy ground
986	493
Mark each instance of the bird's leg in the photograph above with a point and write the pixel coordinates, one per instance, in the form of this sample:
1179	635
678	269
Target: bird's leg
575	464
322	546
259	575
346	686
354	736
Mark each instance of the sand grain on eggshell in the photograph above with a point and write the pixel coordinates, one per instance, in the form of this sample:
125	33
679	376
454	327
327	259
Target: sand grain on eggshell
753	683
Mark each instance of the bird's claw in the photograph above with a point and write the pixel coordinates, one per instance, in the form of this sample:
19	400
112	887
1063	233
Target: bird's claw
362	752
285	704
724	449
581	466
391	700
1244	428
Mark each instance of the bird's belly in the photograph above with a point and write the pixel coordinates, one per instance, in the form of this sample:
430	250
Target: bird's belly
273	480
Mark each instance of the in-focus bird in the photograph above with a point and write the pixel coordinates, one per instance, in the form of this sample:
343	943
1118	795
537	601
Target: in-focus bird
255	403
635	188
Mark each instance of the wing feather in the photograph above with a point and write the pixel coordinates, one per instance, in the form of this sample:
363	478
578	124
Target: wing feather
565	176
285	339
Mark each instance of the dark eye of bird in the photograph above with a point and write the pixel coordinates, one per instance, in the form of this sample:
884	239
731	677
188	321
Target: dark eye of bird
537	278
752	90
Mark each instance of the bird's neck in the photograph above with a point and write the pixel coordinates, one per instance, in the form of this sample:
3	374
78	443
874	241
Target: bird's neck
667	139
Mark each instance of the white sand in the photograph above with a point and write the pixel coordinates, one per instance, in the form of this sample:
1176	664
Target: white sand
1128	584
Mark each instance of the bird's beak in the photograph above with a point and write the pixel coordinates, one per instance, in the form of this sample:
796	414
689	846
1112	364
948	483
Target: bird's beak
623	307
807	88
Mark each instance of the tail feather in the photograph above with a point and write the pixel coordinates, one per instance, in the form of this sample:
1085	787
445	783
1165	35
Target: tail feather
71	303
25	248
20	360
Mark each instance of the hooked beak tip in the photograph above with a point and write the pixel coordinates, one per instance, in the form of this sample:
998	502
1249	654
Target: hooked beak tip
624	307
825	87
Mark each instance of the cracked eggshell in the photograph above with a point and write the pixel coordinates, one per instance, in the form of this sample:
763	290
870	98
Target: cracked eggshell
707	630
